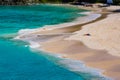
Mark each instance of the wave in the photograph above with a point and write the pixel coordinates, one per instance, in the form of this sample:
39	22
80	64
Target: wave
76	66
88	73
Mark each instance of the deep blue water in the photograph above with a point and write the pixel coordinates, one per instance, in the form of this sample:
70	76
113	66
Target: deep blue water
18	62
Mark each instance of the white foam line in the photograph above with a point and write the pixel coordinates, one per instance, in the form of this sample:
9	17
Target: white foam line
80	67
34	44
77	66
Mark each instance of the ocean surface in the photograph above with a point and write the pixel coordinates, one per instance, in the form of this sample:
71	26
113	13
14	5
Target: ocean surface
18	62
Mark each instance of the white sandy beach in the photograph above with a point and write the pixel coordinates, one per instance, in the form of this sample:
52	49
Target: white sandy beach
100	49
104	35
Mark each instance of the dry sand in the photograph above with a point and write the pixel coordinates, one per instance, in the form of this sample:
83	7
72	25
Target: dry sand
100	49
104	35
103	45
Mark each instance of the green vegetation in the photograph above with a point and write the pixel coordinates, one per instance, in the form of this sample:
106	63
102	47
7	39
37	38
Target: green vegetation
90	1
23	2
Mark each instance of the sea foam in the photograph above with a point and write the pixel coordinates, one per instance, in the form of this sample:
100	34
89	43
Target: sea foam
80	68
34	44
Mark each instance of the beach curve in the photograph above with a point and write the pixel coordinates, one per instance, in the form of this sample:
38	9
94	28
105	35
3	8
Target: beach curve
64	49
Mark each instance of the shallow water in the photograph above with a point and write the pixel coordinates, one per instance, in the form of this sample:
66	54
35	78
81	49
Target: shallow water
18	62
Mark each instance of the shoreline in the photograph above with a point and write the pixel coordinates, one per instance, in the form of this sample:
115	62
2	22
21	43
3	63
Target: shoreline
52	40
80	21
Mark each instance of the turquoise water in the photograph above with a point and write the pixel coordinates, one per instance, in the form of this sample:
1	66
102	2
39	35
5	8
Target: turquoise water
18	62
14	18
